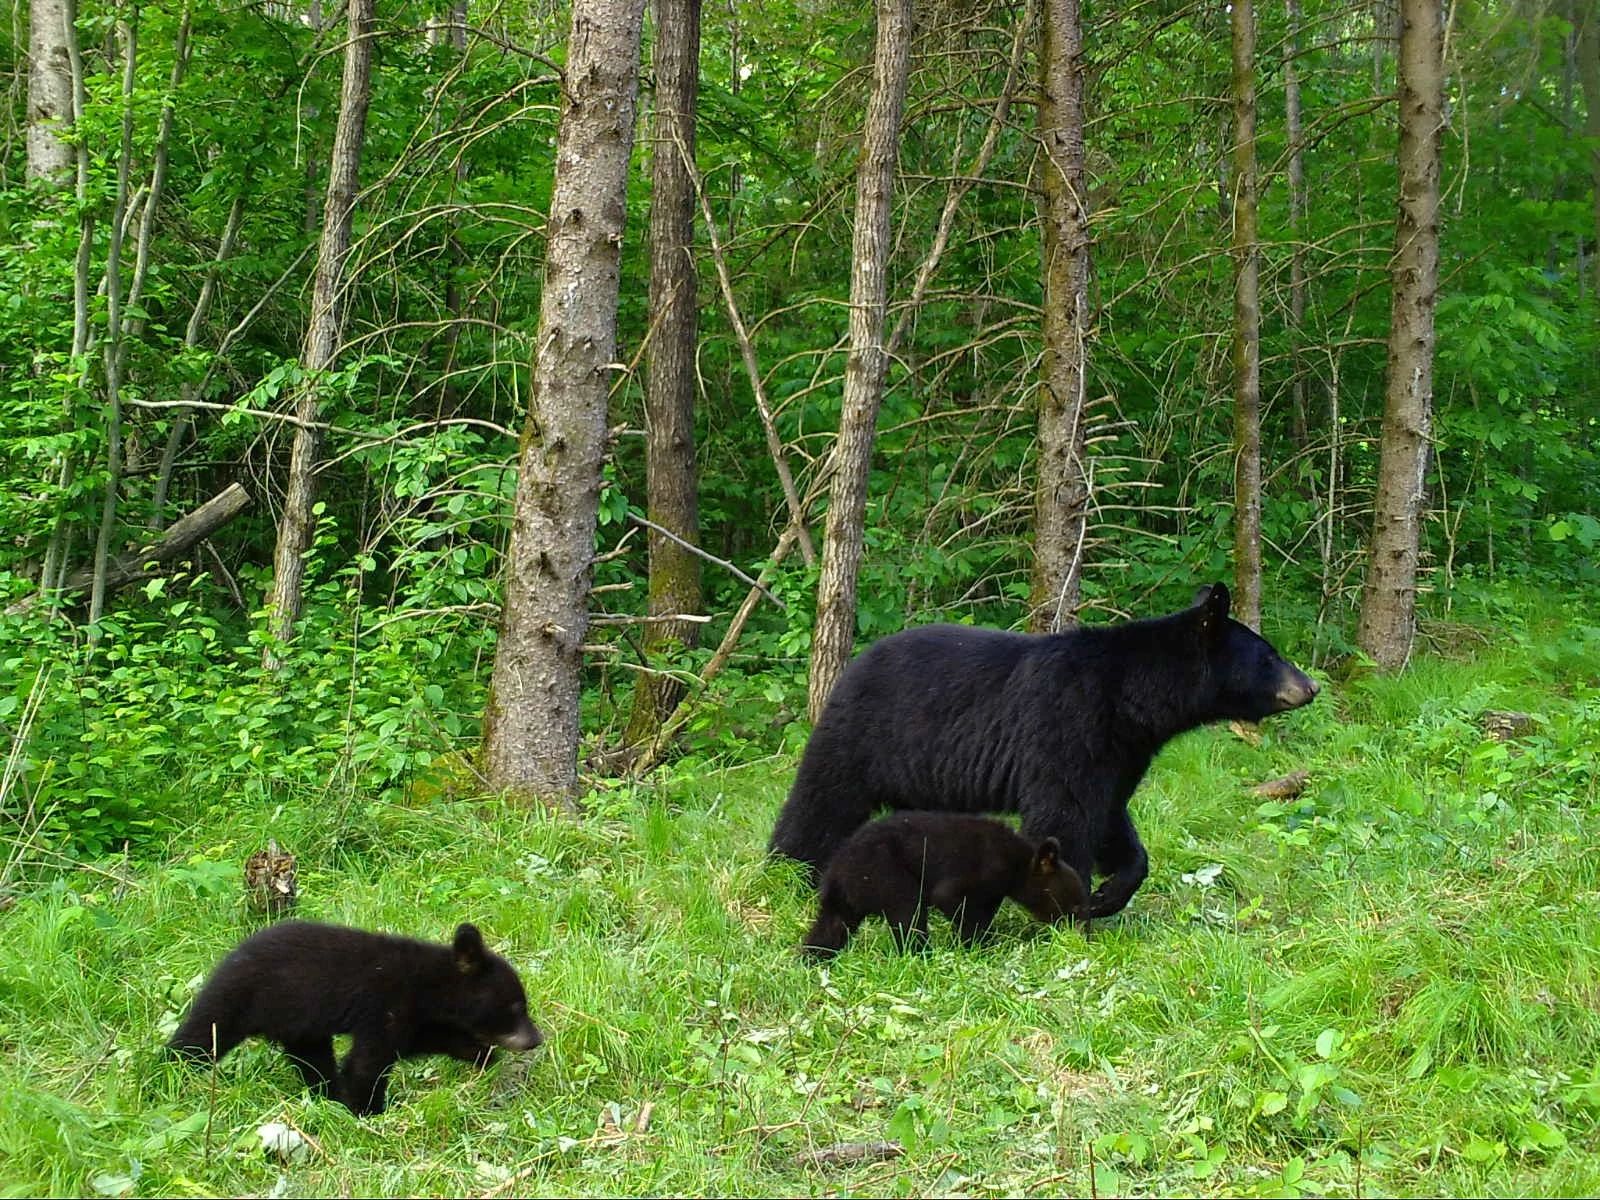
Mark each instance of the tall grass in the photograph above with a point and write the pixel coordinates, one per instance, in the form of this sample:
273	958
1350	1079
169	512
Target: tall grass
1388	985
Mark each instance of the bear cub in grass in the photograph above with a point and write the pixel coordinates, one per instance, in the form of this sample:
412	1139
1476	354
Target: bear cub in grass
300	983
964	866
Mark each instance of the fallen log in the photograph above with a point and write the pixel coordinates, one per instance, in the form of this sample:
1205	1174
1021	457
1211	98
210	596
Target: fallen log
1286	788
183	535
848	1154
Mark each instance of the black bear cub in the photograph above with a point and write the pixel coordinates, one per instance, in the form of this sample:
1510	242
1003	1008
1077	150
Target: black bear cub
300	983
964	866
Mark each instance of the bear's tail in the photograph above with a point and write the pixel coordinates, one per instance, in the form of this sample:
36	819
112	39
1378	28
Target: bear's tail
814	822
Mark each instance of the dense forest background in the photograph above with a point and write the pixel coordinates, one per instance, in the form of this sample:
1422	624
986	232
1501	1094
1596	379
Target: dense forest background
158	301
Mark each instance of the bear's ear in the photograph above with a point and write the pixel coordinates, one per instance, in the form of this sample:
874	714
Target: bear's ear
1211	605
469	948
1046	859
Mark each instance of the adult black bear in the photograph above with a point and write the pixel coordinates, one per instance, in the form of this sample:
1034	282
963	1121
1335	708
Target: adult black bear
299	983
1059	727
966	867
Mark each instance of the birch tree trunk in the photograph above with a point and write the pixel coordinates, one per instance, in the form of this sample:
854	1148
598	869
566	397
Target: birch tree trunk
670	370
531	720
54	566
833	636
1061	501
1389	599
1246	327
321	344
49	90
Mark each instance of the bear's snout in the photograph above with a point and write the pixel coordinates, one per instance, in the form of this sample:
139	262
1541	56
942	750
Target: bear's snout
526	1038
1296	690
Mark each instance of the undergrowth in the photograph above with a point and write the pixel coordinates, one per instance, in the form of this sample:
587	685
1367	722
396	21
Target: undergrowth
1389	984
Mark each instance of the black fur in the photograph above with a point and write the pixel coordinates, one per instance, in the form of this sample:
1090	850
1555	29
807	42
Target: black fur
1059	727
903	865
300	983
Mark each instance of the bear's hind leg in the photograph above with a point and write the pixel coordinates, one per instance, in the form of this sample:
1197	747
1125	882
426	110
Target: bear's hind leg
313	1058
908	924
973	918
817	818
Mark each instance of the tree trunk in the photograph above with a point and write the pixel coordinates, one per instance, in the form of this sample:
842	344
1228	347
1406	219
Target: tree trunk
1246	327
49	89
833	637
65	467
1589	73
113	342
670	370
321	344
1388	604
1061	502
530	725
1297	220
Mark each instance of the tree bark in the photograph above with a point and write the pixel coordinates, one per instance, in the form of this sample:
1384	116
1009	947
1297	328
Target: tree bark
1589	73
1297	219
1061	499
49	89
55	554
1388	603
321	344
833	636
531	719
670	370
1246	327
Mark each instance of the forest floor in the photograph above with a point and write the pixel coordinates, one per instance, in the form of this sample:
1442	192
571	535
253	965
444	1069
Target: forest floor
1387	985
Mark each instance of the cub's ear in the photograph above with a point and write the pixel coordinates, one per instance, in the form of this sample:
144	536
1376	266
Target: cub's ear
1048	856
1211	603
469	948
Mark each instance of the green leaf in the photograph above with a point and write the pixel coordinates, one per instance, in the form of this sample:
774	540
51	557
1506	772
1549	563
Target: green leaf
1270	1104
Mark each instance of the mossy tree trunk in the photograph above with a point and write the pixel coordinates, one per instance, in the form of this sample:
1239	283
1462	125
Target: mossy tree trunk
670	371
1246	326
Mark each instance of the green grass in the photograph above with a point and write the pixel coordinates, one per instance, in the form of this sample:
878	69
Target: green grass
1390	985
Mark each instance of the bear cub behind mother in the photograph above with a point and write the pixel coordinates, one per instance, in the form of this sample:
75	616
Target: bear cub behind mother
1058	727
